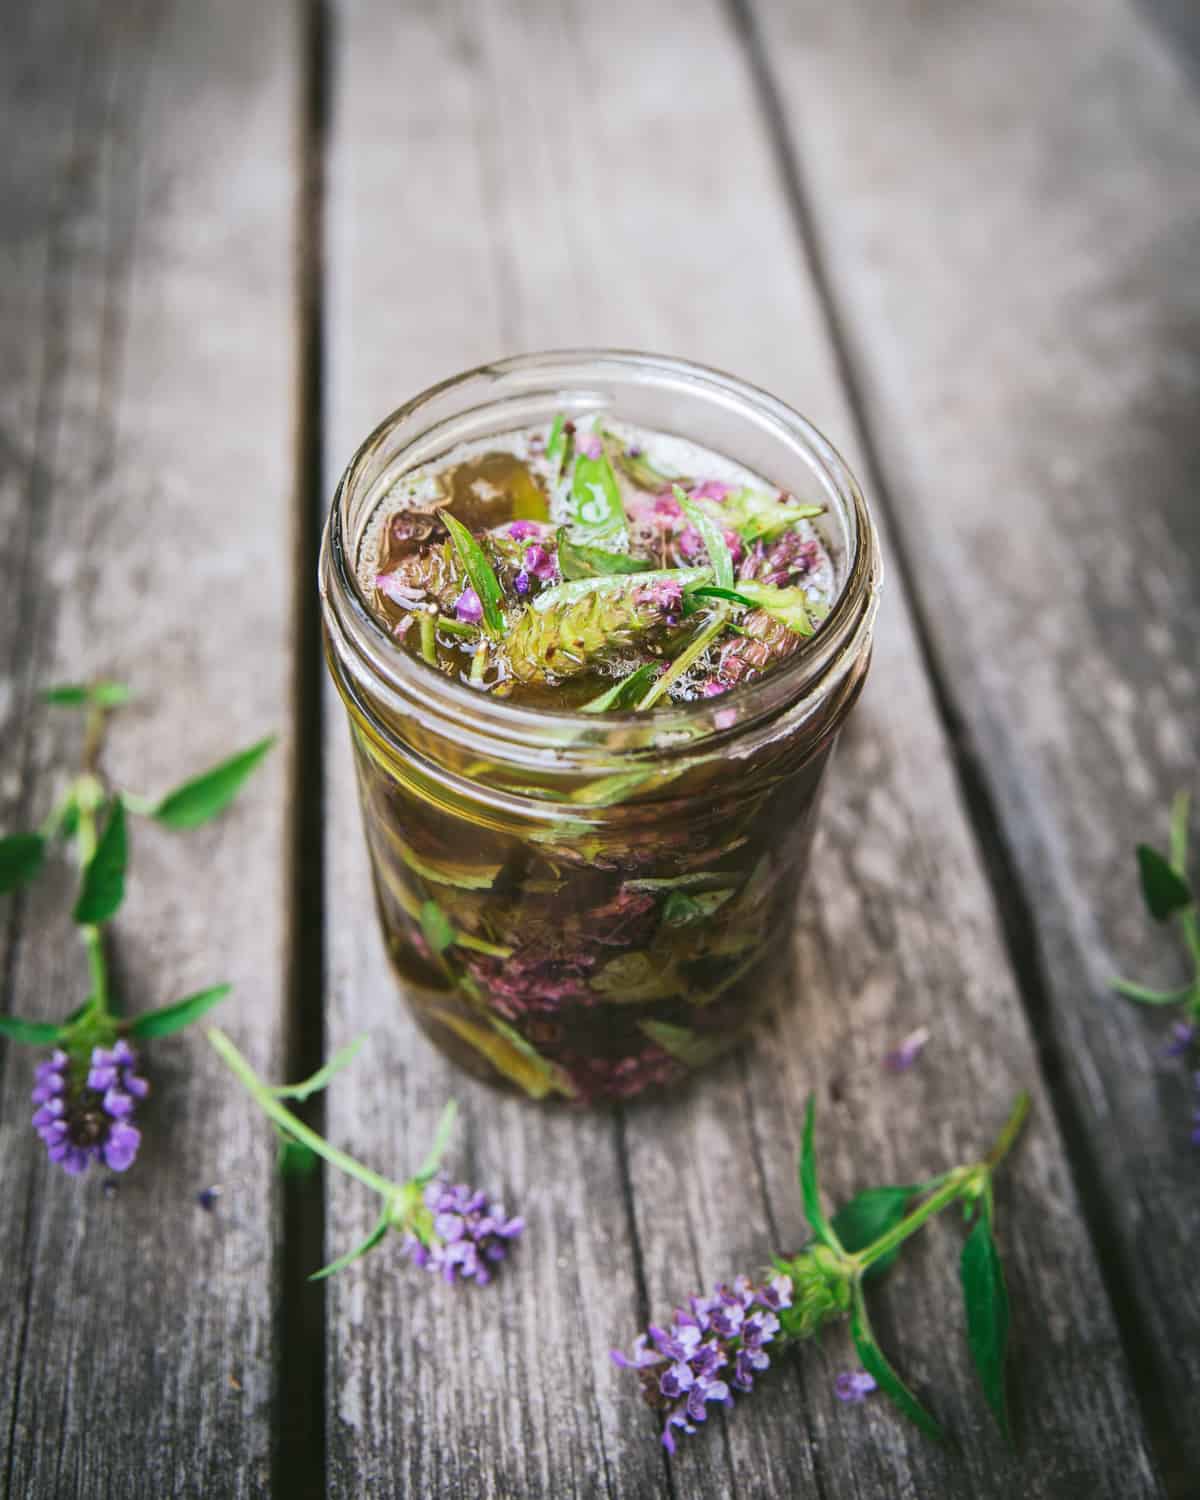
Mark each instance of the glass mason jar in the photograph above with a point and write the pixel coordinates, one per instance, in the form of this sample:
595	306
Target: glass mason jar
581	907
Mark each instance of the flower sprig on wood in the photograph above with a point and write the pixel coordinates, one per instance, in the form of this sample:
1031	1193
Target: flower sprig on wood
718	1344
1170	896
87	1090
450	1229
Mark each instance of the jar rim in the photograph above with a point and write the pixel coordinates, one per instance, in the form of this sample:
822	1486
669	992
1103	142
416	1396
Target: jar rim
405	684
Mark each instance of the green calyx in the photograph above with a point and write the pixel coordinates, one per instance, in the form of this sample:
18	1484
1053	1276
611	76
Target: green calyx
821	1287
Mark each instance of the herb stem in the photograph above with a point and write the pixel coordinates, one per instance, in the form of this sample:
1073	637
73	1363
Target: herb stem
947	1193
89	794
962	1182
428	638
286	1120
1008	1135
687	658
479	663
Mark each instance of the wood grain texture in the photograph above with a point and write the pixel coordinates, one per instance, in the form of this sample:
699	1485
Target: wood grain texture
1014	269
147	415
522	175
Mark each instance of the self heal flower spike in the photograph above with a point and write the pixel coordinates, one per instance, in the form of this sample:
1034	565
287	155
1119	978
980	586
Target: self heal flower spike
87	1090
720	1344
713	1344
456	1231
468	1237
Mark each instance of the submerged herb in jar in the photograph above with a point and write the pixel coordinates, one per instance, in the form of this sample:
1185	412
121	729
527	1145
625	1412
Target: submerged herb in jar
587	883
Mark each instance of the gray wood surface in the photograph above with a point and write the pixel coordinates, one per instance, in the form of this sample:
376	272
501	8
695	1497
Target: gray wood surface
147	426
1012	261
962	239
631	198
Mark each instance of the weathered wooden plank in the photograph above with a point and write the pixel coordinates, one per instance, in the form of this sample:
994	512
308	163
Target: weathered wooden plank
629	198
1015	270
147	383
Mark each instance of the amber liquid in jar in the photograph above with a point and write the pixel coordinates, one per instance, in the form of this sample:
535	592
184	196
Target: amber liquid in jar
585	935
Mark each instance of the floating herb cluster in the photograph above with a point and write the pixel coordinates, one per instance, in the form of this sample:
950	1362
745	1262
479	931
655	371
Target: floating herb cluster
1169	896
584	565
718	1344
87	1090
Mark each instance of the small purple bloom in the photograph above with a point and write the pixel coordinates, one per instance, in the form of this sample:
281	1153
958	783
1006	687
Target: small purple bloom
522	531
902	1057
1183	1034
853	1385
711	489
469	1235
84	1108
468	606
634	450
521	583
539	562
591	447
680	1376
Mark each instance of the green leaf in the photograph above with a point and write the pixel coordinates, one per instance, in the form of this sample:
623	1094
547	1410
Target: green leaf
596	507
103	887
756	516
1145	996
35	1033
624	694
441	1139
715	593
638	468
437	927
713	538
480	572
985	1297
21	857
102	694
510	1054
210	793
870	1214
373	1239
1164	890
320	1079
682	909
557	440
172	1018
577	560
684	1044
809	1190
792	606
295	1160
875	1363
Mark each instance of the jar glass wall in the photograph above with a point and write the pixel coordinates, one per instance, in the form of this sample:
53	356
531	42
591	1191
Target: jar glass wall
584	907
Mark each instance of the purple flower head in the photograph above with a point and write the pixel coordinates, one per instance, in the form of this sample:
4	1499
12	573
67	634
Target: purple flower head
711	489
85	1107
470	1235
1183	1034
853	1385
790	559
521	583
689	543
713	1337
523	531
591	447
468	606
902	1056
540	563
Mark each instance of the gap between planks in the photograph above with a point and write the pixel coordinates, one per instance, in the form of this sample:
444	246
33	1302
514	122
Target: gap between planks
299	1459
